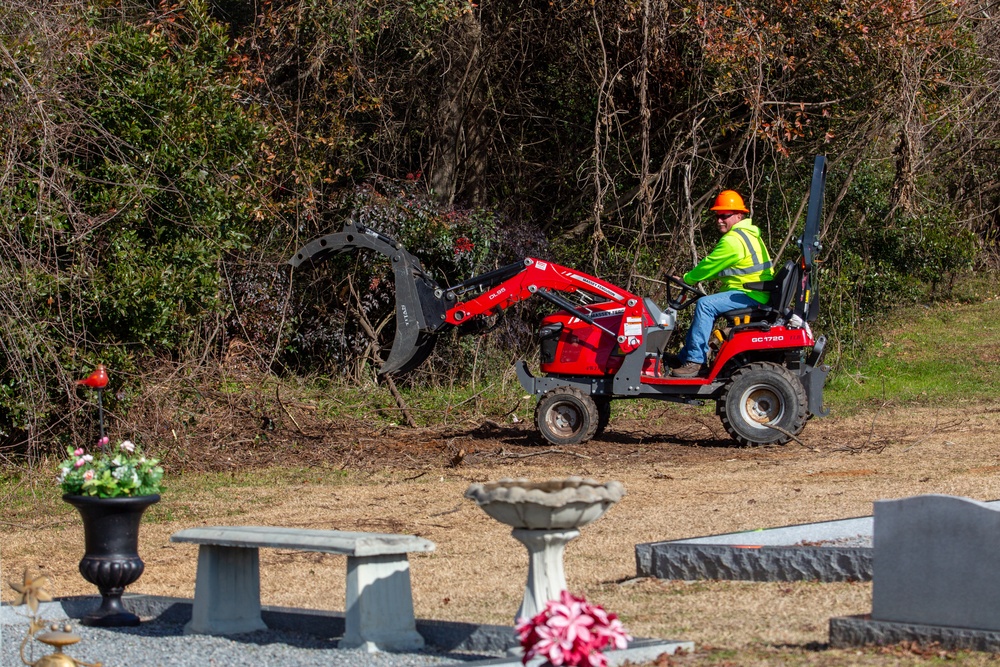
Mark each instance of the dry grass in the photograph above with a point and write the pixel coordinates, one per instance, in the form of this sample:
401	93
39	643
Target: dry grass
676	488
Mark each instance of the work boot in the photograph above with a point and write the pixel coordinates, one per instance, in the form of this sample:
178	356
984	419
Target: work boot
689	369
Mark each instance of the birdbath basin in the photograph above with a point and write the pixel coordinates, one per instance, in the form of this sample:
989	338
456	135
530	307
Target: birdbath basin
544	517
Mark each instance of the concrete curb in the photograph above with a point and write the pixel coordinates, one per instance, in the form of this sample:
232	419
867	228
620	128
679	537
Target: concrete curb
788	553
853	631
446	636
641	650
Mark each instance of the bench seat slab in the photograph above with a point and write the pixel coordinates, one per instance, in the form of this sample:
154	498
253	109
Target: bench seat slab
305	539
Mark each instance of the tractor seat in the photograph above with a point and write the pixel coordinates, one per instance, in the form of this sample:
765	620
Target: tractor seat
782	290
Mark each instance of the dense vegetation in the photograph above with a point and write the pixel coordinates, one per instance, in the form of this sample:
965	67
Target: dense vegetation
159	162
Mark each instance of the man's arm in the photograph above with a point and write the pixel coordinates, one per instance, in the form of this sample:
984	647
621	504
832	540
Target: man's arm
725	254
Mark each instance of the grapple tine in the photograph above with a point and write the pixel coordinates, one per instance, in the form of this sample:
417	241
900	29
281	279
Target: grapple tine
415	332
407	355
420	312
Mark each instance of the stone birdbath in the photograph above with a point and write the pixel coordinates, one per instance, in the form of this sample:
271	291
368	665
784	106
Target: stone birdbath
545	516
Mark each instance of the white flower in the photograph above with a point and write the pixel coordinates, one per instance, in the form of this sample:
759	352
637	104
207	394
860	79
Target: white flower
127	446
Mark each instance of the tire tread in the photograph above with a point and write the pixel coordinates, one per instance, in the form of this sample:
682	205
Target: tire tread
799	411
584	400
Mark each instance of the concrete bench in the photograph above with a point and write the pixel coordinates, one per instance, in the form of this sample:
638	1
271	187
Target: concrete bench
379	613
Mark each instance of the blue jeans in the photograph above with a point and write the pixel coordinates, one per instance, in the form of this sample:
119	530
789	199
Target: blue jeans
706	311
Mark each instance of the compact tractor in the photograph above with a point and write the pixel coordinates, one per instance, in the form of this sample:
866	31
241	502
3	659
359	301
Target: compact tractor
604	343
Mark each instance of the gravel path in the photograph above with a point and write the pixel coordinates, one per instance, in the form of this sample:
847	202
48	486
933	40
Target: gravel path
162	644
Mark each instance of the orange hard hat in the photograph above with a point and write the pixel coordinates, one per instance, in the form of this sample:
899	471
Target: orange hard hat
730	200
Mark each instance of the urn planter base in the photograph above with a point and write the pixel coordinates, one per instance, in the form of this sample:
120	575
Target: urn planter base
111	558
109	616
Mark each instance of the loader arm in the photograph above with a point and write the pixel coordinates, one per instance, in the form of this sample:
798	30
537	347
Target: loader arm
424	309
535	277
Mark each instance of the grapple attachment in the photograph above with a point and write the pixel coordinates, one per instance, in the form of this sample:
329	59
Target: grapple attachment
420	311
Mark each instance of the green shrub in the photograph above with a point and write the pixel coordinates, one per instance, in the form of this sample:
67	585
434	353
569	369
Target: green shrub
126	191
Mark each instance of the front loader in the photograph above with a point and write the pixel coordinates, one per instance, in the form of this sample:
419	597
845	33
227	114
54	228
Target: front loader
603	343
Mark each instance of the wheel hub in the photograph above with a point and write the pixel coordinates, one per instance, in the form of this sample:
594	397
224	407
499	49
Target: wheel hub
762	405
564	418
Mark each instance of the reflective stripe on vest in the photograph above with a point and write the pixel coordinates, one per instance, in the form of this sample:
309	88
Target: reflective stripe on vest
757	266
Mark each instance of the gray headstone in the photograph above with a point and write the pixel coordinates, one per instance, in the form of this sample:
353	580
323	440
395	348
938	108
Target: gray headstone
937	562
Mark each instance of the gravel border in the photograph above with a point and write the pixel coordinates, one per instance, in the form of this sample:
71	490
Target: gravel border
294	638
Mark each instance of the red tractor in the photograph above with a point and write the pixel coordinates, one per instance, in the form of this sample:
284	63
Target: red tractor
604	343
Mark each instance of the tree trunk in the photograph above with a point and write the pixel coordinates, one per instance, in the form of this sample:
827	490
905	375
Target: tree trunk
458	159
910	144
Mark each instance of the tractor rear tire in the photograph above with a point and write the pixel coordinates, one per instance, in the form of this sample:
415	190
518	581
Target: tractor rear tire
566	416
761	395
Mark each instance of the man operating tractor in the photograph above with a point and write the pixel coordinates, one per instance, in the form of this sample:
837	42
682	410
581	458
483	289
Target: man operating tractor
603	343
739	258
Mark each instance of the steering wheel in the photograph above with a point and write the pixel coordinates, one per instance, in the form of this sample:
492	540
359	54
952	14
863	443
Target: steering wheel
684	295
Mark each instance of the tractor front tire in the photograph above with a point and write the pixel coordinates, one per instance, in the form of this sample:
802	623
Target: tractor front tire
603	414
566	416
759	396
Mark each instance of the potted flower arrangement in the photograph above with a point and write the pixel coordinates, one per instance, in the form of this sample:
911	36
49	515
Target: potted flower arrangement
571	631
110	491
128	473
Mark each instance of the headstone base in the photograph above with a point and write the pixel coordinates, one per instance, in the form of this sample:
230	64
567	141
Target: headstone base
851	631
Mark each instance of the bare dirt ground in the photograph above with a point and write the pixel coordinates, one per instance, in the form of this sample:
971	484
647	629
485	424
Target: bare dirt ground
684	478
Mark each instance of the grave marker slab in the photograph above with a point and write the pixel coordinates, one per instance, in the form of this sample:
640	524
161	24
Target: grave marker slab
937	562
935	566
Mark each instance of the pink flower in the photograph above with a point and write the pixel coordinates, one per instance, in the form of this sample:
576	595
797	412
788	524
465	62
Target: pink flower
78	451
89	475
103	441
571	631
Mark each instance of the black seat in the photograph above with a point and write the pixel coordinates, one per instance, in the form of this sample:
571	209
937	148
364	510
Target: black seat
789	291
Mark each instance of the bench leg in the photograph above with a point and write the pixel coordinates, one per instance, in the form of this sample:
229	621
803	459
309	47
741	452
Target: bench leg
380	605
226	592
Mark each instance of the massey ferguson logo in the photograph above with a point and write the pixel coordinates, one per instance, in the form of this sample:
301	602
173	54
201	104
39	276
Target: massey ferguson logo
602	288
767	339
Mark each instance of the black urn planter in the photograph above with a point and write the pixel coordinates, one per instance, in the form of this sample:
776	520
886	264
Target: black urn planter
111	552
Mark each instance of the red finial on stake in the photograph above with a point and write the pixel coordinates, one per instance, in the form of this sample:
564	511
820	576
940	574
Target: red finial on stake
98	379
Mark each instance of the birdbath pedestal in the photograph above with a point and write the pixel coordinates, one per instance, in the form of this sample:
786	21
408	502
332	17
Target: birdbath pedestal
545	516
